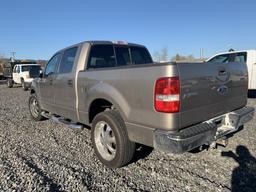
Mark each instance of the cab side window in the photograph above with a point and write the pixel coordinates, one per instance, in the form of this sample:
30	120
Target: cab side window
17	69
241	57
220	59
14	69
52	65
68	60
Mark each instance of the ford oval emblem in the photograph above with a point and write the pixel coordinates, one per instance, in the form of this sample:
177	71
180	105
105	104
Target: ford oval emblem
223	89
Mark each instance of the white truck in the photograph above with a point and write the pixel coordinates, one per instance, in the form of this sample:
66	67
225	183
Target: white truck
24	74
245	56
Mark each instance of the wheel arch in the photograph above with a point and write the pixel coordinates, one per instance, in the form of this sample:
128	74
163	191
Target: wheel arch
105	94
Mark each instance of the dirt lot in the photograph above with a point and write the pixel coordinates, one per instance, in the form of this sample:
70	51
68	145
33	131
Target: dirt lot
44	156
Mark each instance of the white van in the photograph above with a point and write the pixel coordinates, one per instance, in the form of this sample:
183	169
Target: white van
247	56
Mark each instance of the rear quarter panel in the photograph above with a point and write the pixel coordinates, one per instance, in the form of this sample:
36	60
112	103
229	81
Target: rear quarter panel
131	90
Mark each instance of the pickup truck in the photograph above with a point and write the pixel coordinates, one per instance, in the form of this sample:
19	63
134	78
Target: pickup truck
23	74
115	89
245	56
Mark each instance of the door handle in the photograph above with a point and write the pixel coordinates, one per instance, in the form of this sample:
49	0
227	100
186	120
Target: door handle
70	82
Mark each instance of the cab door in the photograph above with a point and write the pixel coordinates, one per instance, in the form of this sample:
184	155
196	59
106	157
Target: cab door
46	88
64	85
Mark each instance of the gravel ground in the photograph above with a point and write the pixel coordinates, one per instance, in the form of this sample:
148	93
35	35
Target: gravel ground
44	156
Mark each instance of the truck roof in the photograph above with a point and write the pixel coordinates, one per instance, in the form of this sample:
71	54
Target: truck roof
100	42
28	64
230	52
114	43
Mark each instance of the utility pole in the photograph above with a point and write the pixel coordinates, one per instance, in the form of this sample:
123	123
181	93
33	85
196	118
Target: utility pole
201	53
13	54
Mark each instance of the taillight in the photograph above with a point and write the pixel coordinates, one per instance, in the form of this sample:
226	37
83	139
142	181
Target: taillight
167	95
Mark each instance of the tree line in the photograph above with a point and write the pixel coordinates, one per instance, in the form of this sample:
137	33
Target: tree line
163	56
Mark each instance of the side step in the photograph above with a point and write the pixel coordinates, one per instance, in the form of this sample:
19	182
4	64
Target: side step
56	119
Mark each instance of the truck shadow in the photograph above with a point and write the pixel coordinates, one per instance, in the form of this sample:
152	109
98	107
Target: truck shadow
243	176
2	82
141	152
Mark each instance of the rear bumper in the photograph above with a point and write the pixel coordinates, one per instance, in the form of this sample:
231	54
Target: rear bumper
203	133
28	80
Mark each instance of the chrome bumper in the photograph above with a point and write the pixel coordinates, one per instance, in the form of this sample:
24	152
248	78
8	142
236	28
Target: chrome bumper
202	133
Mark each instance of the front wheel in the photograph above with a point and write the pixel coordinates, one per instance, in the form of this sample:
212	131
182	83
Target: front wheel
34	108
110	139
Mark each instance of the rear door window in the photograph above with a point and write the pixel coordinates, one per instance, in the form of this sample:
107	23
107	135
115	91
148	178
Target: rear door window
101	56
68	60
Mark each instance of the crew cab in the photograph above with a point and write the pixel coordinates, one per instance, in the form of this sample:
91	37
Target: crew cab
246	56
23	74
115	89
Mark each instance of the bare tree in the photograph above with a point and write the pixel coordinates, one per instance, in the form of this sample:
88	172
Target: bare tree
157	56
1	64
162	55
188	58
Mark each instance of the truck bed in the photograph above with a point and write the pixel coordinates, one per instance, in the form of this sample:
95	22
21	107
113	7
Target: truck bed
131	89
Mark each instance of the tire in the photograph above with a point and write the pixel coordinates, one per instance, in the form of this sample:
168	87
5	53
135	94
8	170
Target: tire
35	109
119	152
9	83
23	85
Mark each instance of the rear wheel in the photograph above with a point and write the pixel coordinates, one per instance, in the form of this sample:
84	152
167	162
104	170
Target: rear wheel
35	109
9	83
110	139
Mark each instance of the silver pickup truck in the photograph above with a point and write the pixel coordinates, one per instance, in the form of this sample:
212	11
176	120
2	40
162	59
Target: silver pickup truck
116	89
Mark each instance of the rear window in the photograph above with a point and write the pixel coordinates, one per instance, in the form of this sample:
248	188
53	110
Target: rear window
30	68
25	68
102	56
35	70
122	56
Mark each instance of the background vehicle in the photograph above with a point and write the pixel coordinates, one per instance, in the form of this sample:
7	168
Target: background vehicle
246	56
114	88
23	74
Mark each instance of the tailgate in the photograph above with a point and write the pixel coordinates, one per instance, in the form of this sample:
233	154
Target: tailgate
211	89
